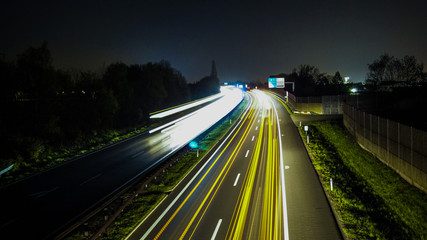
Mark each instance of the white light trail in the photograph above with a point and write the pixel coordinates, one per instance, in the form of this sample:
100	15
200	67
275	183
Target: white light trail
187	106
282	180
189	128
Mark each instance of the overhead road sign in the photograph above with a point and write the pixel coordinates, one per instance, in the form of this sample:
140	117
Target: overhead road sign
276	82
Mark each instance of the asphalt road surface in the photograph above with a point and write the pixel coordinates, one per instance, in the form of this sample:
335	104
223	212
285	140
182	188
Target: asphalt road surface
257	184
44	205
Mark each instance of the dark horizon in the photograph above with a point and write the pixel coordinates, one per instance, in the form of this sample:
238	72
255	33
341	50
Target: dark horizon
249	41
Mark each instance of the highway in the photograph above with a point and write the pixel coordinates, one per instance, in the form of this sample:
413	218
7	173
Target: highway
44	205
256	184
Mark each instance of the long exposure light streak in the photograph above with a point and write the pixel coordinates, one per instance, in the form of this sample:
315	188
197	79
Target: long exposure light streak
265	178
180	108
260	210
203	177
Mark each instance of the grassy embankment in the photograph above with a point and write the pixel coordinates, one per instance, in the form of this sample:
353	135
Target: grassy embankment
372	201
165	180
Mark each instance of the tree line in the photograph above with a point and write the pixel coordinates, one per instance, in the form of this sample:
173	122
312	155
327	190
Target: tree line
309	81
43	107
392	69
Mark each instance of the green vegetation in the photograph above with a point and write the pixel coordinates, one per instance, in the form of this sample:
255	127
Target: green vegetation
130	217
166	178
372	201
50	157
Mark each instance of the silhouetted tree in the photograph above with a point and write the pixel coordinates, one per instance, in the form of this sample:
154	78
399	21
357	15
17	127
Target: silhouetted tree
305	79
44	107
337	79
206	86
389	68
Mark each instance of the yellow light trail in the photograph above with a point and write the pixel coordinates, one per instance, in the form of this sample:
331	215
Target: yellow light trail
270	225
215	185
263	175
236	229
228	163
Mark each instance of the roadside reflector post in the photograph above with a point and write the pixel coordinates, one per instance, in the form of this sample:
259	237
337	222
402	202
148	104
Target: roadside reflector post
306	131
332	185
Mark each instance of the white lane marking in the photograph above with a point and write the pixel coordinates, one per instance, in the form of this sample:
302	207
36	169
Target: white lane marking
43	193
247	152
253	137
256	128
237	179
90	179
282	179
7	223
258	120
137	154
216	229
184	189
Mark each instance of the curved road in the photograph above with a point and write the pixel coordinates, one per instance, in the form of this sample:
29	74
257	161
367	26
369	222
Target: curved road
43	205
258	184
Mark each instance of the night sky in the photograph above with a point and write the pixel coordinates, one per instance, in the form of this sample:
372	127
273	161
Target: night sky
249	40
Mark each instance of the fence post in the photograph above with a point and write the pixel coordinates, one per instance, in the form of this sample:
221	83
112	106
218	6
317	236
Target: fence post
354	122
370	124
379	133
412	156
388	145
399	166
364	129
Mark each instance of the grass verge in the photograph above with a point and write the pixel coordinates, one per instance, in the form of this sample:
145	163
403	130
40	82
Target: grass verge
372	201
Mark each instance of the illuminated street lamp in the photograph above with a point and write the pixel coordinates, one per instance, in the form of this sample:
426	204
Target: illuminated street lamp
354	91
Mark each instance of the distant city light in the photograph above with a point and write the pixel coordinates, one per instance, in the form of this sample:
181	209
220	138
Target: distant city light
346	79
